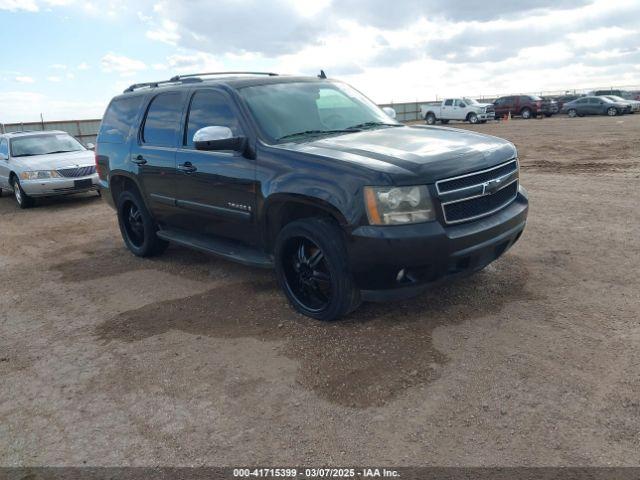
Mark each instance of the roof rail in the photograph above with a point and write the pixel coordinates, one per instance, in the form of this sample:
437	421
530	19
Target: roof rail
192	75
136	86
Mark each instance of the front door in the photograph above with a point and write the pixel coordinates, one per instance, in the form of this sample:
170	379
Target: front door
154	154
459	109
215	189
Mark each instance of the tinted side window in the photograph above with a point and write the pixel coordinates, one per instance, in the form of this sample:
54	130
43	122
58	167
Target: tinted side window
4	147
595	100
118	119
209	108
163	120
582	100
448	102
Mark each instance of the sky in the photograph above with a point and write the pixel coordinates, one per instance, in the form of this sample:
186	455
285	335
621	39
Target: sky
65	59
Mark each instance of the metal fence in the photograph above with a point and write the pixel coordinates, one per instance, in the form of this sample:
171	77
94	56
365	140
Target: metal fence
86	130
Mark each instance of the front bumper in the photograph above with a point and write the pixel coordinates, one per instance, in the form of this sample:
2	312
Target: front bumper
487	116
429	253
59	186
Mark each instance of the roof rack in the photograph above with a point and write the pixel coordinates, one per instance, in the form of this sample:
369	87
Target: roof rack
192	75
136	86
191	78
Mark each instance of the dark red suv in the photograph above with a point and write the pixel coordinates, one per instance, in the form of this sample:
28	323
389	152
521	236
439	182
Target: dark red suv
526	106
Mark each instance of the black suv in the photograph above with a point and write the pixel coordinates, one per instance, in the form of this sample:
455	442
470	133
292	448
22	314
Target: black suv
306	175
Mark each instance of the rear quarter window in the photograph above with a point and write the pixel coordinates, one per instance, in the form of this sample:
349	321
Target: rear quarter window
118	119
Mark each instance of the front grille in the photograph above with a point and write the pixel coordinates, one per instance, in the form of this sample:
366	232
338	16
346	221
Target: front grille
78	171
490	109
476	178
481	206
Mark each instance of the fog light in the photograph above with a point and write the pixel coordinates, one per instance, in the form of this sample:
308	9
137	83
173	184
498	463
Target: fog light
400	276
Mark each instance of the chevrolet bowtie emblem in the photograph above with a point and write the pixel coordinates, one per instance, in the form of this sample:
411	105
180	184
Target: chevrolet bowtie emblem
491	186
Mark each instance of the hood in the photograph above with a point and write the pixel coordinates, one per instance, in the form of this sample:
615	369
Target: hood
55	161
483	105
413	153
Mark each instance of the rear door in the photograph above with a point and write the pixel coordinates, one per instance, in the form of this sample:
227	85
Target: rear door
215	189
4	163
446	111
155	152
582	106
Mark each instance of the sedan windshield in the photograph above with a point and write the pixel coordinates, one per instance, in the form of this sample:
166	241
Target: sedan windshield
31	145
284	111
615	98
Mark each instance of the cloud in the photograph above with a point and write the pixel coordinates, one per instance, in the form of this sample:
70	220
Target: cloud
83	66
17	5
24	79
54	78
125	66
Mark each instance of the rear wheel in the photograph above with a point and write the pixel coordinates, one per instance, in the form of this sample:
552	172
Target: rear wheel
430	118
312	269
525	113
572	112
138	227
22	199
612	111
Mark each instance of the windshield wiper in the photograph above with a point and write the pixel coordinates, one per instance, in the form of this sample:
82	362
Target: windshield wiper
27	155
60	151
318	132
375	124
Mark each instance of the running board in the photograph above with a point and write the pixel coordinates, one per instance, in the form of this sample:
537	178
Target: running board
220	247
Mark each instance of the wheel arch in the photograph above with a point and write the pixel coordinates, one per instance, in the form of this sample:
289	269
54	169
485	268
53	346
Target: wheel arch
283	208
119	181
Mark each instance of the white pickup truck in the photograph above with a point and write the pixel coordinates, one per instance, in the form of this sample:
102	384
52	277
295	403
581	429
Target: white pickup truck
464	109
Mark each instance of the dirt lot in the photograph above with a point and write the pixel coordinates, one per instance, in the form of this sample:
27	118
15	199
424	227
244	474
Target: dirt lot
107	359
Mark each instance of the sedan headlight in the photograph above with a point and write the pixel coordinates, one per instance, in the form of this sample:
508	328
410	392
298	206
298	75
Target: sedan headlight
40	175
398	205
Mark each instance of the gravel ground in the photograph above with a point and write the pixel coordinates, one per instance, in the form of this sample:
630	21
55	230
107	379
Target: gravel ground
107	359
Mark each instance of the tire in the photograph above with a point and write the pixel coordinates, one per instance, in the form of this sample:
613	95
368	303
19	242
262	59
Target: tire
312	269
572	112
472	118
22	199
444	122
548	115
612	111
430	118
137	226
526	113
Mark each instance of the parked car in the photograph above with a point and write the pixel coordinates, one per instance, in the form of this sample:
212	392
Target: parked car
526	106
561	100
594	106
40	164
634	105
464	109
627	95
307	176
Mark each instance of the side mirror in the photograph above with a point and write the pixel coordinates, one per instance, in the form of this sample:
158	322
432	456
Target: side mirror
218	138
389	111
462	105
90	146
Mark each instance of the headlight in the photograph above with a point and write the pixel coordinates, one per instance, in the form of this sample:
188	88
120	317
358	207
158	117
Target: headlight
483	110
40	175
398	205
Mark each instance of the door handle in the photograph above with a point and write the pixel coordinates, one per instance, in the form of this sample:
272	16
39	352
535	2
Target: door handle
187	167
139	160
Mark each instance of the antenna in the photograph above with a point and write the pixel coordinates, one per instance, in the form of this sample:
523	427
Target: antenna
322	75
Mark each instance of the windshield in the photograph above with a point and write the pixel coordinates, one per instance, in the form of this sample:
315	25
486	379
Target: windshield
44	144
285	110
470	101
535	98
606	99
615	98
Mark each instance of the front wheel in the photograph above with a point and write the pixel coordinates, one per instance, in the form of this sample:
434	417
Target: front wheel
430	118
473	118
312	269
137	226
526	113
22	199
612	111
